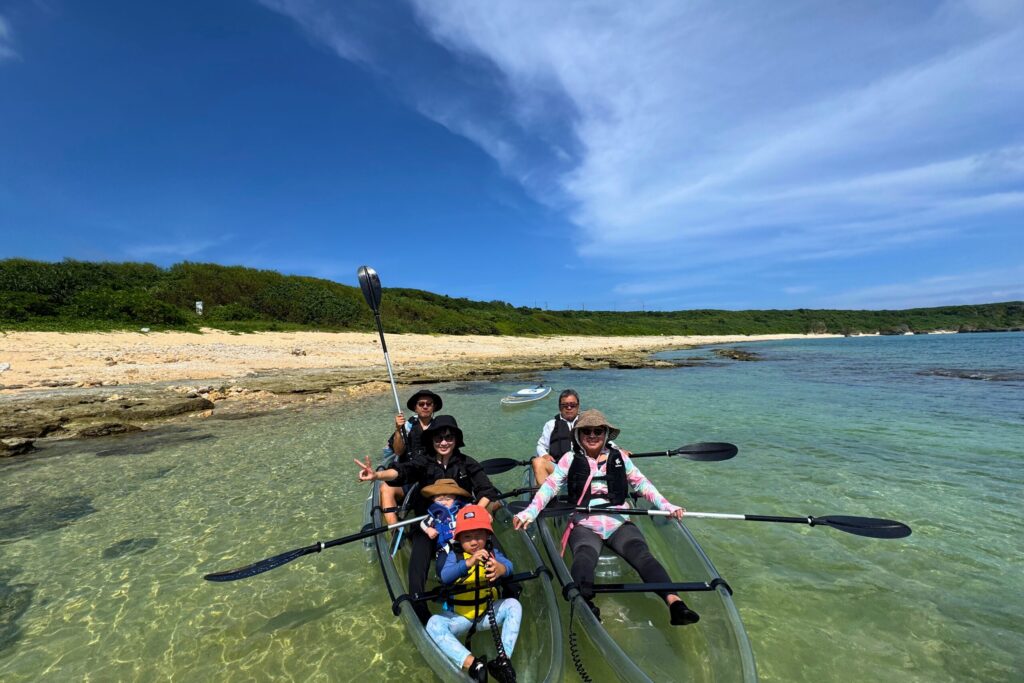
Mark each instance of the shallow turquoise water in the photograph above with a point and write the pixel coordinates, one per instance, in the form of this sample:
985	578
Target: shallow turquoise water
103	544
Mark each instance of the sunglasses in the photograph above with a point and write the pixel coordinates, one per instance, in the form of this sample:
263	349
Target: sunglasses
447	436
425	404
568	405
592	431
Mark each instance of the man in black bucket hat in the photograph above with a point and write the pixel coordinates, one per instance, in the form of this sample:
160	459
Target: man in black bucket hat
407	440
440	459
407	436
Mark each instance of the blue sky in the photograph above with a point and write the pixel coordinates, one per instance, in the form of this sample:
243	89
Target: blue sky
657	154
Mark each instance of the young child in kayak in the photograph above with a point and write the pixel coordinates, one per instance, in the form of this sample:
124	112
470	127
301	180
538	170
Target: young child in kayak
448	497
469	567
599	474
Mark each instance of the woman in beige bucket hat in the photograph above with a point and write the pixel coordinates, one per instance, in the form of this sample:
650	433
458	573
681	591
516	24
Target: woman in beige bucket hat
597	473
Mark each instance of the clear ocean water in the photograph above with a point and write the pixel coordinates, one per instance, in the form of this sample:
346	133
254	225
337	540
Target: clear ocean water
103	543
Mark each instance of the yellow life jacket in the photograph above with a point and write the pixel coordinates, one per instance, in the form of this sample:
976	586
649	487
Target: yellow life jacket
473	592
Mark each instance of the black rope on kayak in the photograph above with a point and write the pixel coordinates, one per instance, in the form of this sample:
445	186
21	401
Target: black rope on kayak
577	661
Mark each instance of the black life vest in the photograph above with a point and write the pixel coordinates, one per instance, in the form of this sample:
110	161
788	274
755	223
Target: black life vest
412	435
615	477
560	442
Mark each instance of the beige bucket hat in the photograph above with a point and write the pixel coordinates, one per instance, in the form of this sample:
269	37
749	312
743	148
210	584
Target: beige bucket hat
594	418
445	487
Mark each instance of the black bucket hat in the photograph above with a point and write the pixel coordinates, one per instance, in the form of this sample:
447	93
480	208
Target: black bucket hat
424	393
442	423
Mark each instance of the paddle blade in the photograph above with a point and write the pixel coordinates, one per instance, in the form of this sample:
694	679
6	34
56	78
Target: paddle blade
261	566
499	465
865	526
552	510
707	452
369	282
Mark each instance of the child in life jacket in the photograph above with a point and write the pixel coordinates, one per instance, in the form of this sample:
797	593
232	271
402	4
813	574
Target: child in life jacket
469	567
448	497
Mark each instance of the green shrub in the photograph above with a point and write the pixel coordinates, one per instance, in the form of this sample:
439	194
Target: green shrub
20	306
134	306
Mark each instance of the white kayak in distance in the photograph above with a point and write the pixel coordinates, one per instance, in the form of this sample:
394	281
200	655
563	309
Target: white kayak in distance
526	395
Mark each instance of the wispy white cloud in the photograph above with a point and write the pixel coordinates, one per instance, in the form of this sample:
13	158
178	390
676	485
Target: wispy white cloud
677	135
690	126
6	40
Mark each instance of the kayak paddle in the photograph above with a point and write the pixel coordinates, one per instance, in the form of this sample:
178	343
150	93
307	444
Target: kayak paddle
369	282
284	558
702	452
859	526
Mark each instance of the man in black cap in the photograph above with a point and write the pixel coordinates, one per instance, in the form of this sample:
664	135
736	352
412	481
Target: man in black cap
407	441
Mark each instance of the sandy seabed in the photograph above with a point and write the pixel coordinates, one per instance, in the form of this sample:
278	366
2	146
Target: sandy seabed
138	358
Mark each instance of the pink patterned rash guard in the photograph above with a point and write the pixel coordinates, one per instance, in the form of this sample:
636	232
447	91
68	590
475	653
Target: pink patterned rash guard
601	524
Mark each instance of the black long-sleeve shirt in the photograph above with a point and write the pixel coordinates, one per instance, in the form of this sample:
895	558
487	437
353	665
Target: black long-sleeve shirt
424	469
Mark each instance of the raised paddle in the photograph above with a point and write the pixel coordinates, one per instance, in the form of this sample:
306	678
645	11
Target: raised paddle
369	282
284	558
702	452
859	526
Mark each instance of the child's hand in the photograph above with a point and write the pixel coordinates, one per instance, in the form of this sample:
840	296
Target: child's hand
494	570
478	556
431	532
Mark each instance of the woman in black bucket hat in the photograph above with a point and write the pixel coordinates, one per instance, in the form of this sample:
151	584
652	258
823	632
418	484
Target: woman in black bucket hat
441	458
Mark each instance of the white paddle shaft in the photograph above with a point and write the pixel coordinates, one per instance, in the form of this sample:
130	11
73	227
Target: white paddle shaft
698	515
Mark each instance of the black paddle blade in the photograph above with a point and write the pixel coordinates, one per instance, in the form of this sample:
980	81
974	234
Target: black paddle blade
369	282
500	465
707	452
261	566
864	526
552	510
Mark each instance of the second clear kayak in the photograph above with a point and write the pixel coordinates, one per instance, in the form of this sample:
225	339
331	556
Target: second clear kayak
538	655
633	640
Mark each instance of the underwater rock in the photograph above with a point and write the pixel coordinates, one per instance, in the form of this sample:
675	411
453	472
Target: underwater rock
129	546
15	599
982	375
150	442
38	517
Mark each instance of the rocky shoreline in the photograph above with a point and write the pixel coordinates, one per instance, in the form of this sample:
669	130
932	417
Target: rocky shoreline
34	417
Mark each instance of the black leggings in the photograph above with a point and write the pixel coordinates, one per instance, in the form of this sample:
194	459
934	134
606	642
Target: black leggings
627	542
423	549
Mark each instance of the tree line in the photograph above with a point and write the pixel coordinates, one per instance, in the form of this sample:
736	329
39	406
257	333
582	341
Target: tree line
77	295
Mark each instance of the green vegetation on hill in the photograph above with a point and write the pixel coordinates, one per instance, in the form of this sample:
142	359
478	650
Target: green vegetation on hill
76	295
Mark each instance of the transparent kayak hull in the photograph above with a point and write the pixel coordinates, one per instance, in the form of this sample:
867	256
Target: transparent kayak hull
634	641
538	655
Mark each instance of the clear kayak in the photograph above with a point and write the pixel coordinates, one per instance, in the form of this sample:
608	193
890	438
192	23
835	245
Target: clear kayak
538	655
633	640
526	395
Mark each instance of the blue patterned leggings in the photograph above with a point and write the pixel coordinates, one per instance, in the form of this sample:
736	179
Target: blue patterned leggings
447	628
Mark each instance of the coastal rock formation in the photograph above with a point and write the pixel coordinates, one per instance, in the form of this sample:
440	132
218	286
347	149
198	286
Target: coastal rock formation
15	446
982	375
737	354
90	413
